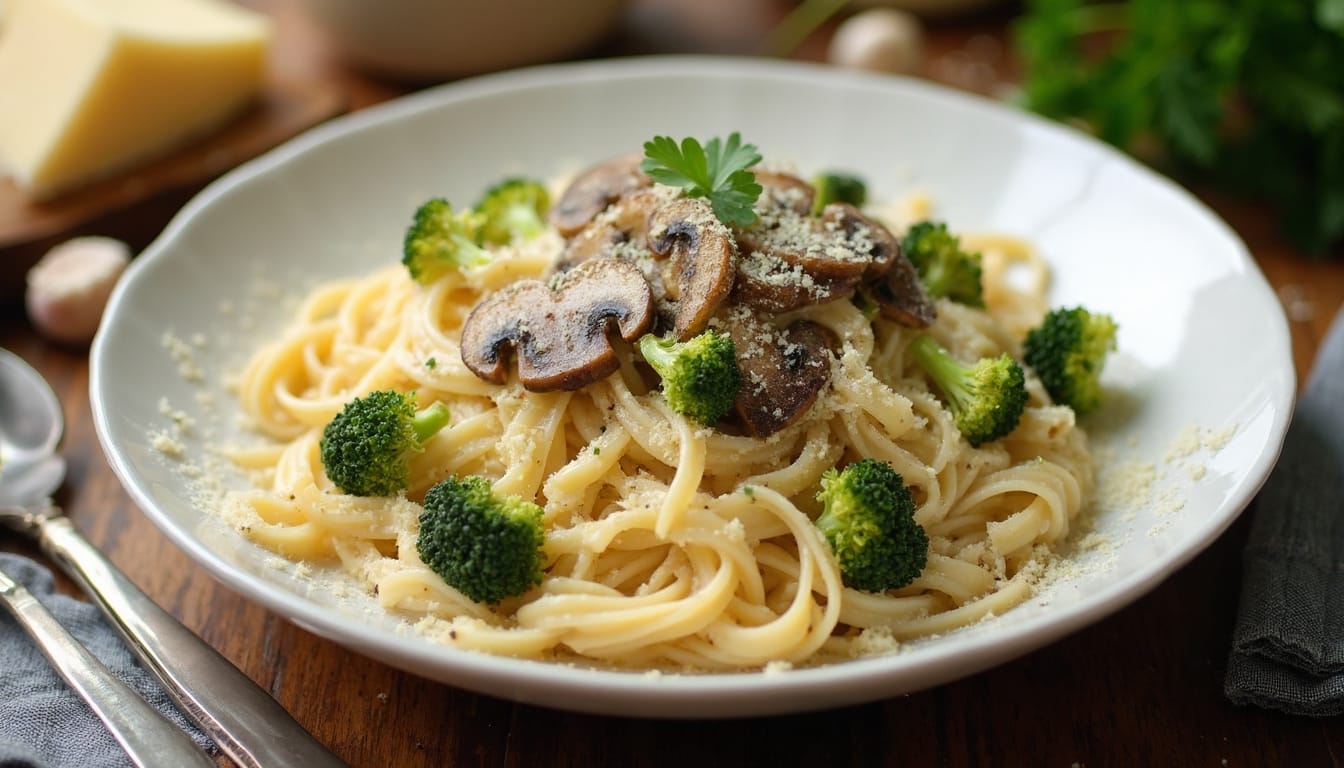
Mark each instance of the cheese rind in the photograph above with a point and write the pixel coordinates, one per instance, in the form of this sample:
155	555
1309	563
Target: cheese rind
92	87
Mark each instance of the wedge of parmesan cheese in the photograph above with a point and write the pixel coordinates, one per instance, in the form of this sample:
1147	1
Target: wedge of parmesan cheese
89	88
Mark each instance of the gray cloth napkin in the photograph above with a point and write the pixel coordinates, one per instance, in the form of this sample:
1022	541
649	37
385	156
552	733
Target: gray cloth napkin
43	723
1288	645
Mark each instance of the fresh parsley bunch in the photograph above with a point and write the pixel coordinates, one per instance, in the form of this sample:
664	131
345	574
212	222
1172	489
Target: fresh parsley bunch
1248	94
717	171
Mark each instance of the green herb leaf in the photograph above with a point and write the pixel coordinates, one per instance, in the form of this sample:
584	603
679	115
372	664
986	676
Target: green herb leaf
1330	14
1188	111
1248	95
716	171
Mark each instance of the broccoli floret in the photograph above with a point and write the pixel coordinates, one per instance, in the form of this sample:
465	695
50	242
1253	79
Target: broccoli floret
944	268
439	240
365	448
485	546
835	187
1067	351
513	211
700	376
986	398
868	518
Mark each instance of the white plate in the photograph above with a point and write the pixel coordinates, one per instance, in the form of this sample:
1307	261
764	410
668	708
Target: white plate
1201	387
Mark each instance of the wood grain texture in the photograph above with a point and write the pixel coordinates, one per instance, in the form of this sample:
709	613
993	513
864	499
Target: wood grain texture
297	94
1143	687
283	109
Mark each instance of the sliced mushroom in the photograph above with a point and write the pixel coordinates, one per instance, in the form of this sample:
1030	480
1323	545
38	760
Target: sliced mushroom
700	253
560	333
791	260
619	231
783	372
594	189
768	283
864	235
783	191
900	295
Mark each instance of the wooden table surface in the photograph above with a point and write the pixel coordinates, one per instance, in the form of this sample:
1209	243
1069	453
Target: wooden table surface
1143	687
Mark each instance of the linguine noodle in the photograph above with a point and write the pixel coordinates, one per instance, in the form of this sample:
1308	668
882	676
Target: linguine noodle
668	544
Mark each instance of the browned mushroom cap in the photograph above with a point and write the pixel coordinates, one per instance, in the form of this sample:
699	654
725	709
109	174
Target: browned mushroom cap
561	333
768	283
864	235
782	371
620	231
700	251
822	252
900	295
593	190
790	261
782	191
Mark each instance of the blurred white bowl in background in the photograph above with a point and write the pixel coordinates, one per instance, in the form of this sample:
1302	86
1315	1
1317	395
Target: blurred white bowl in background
439	39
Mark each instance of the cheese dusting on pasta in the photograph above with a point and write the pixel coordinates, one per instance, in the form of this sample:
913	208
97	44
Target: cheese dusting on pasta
669	545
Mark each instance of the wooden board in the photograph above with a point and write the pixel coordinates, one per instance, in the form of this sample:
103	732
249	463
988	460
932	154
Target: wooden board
286	107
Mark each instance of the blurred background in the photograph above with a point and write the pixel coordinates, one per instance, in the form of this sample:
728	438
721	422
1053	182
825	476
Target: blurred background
1241	101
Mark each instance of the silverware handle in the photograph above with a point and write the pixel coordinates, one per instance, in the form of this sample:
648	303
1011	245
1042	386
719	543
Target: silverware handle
148	738
242	719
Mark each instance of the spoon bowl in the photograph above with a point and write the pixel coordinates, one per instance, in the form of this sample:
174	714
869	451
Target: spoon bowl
240	717
31	426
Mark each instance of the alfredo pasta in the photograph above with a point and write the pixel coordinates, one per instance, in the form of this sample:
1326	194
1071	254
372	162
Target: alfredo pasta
670	543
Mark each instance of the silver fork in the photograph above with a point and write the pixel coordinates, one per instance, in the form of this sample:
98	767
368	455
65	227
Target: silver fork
148	738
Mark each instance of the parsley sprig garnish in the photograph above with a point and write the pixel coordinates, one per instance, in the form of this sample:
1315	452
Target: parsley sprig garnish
717	171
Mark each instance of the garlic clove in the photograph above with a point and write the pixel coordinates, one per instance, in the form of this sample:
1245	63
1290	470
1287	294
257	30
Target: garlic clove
69	287
879	40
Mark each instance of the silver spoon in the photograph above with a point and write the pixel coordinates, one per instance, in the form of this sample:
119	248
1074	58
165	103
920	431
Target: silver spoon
241	718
